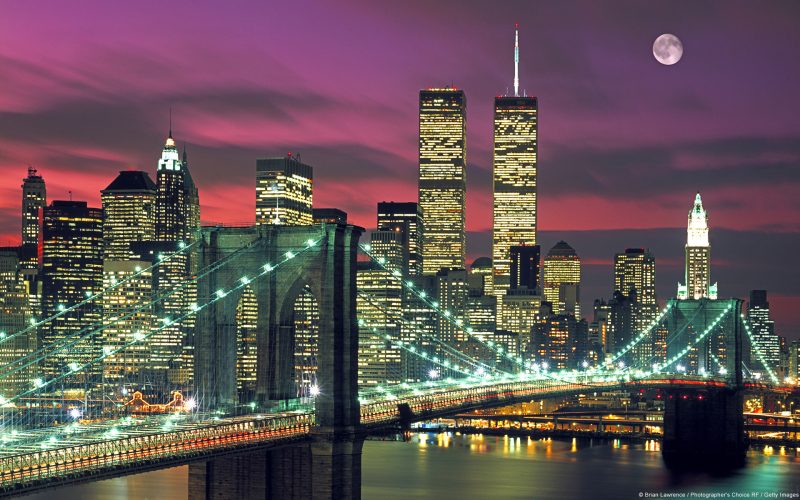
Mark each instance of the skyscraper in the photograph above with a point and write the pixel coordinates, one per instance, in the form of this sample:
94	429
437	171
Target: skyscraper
524	266
129	209
763	329
133	288
698	256
329	216
177	220
172	210
192	200
34	199
284	191
635	276
561	266
407	219
379	311
390	246
14	312
72	269
514	173
442	177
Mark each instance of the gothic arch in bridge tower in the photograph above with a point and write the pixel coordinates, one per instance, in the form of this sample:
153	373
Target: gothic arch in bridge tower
327	268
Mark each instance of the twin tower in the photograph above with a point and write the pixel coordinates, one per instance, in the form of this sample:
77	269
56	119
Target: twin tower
442	177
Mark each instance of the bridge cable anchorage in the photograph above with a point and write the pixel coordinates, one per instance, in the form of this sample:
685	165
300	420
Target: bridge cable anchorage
63	310
759	354
465	357
460	325
75	368
73	338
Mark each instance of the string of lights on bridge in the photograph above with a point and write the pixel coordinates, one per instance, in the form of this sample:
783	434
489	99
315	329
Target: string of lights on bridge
74	338
107	351
63	310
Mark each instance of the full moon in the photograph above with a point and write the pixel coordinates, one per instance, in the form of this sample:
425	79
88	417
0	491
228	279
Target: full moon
667	49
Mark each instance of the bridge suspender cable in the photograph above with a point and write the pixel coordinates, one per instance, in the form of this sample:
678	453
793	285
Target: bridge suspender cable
70	340
643	334
759	354
4	336
443	313
446	346
74	368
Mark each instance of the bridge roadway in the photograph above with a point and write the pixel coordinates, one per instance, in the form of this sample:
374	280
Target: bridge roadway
31	461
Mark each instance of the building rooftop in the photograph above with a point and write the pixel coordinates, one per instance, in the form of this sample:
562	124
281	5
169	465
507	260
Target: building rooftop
131	180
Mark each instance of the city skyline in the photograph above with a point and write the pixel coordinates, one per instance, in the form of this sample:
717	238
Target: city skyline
87	138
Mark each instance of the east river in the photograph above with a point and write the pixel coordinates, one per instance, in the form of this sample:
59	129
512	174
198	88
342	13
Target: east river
452	467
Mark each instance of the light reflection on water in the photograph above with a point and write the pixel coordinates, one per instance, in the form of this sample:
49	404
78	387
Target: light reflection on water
478	466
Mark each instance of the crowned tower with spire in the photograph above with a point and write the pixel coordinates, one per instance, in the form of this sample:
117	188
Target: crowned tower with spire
514	171
176	223
697	280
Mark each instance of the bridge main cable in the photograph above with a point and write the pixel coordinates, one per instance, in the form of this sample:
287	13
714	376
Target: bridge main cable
75	368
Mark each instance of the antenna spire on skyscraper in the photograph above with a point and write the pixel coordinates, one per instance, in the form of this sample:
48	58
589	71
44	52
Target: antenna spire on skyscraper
170	122
516	59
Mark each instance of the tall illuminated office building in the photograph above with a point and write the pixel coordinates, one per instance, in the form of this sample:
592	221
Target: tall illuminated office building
284	191
72	269
34	199
635	273
129	218
405	218
14	312
442	177
697	281
562	275
514	214
129	209
177	220
763	328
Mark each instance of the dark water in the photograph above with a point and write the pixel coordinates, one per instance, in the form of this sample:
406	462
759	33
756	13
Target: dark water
446	466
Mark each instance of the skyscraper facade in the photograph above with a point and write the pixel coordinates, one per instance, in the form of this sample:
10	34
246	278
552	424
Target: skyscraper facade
14	313
442	177
524	267
635	276
72	270
284	191
177	220
407	219
514	209
129	210
379	311
128	318
34	200
172	211
763	329
697	280
561	266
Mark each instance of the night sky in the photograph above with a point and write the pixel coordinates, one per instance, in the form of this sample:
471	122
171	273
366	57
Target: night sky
625	142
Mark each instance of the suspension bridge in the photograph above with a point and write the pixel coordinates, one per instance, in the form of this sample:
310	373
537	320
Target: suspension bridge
60	426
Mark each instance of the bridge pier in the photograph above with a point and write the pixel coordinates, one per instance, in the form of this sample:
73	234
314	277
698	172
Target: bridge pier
704	428
327	468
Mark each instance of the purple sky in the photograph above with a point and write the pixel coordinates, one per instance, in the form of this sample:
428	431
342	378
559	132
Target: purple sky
85	89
